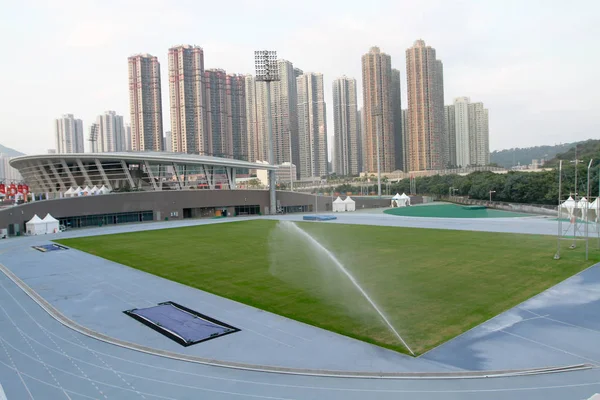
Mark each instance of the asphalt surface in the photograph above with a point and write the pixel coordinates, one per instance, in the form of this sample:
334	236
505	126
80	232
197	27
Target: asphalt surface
41	358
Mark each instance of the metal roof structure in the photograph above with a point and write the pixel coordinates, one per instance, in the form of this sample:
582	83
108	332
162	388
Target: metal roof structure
54	173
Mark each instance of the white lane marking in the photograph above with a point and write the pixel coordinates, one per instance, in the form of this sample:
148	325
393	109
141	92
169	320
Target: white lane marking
273	384
38	356
2	394
15	369
200	388
54	386
320	388
108	366
547	316
594	362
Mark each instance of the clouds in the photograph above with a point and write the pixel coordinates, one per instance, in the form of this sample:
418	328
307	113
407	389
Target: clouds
532	63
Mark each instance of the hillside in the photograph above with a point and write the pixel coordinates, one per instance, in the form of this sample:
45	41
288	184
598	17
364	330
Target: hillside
585	151
523	156
10	152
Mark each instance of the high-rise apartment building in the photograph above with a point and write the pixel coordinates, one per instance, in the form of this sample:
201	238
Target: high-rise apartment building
218	143
187	100
8	174
346	127
479	140
471	132
236	115
284	99
312	125
361	140
378	111
254	129
128	137
450	133
399	139
111	133
145	103
426	147
69	134
168	142
404	128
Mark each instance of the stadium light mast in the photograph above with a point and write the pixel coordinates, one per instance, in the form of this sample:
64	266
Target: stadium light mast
267	71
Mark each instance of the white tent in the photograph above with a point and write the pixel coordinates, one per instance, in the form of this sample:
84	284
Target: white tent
406	198
51	224
94	190
338	205
594	208
395	200
70	192
583	205
350	204
86	191
103	190
568	205
77	191
35	226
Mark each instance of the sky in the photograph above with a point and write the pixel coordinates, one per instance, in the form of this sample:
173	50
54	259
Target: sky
534	64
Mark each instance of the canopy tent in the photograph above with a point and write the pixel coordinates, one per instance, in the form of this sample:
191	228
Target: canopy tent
594	207
396	201
35	226
339	205
584	206
103	190
87	191
77	191
70	192
406	198
569	206
94	190
51	224
350	204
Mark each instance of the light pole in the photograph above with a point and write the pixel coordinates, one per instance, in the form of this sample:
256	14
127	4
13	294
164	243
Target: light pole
378	111
491	191
267	71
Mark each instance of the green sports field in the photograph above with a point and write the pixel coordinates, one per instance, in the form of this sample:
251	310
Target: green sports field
432	284
446	210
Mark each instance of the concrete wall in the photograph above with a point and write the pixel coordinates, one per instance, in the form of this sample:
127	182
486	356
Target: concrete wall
164	203
514	207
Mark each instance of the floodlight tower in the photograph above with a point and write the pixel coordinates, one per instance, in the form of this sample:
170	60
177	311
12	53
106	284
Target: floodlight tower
267	71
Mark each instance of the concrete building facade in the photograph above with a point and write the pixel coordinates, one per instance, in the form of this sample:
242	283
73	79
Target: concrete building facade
128	137
168	142
450	133
378	111
471	133
111	133
399	138
255	143
218	142
346	127
187	100
237	123
312	125
69	134
426	147
145	103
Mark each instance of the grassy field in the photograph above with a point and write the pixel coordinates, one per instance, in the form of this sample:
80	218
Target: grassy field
451	211
432	284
